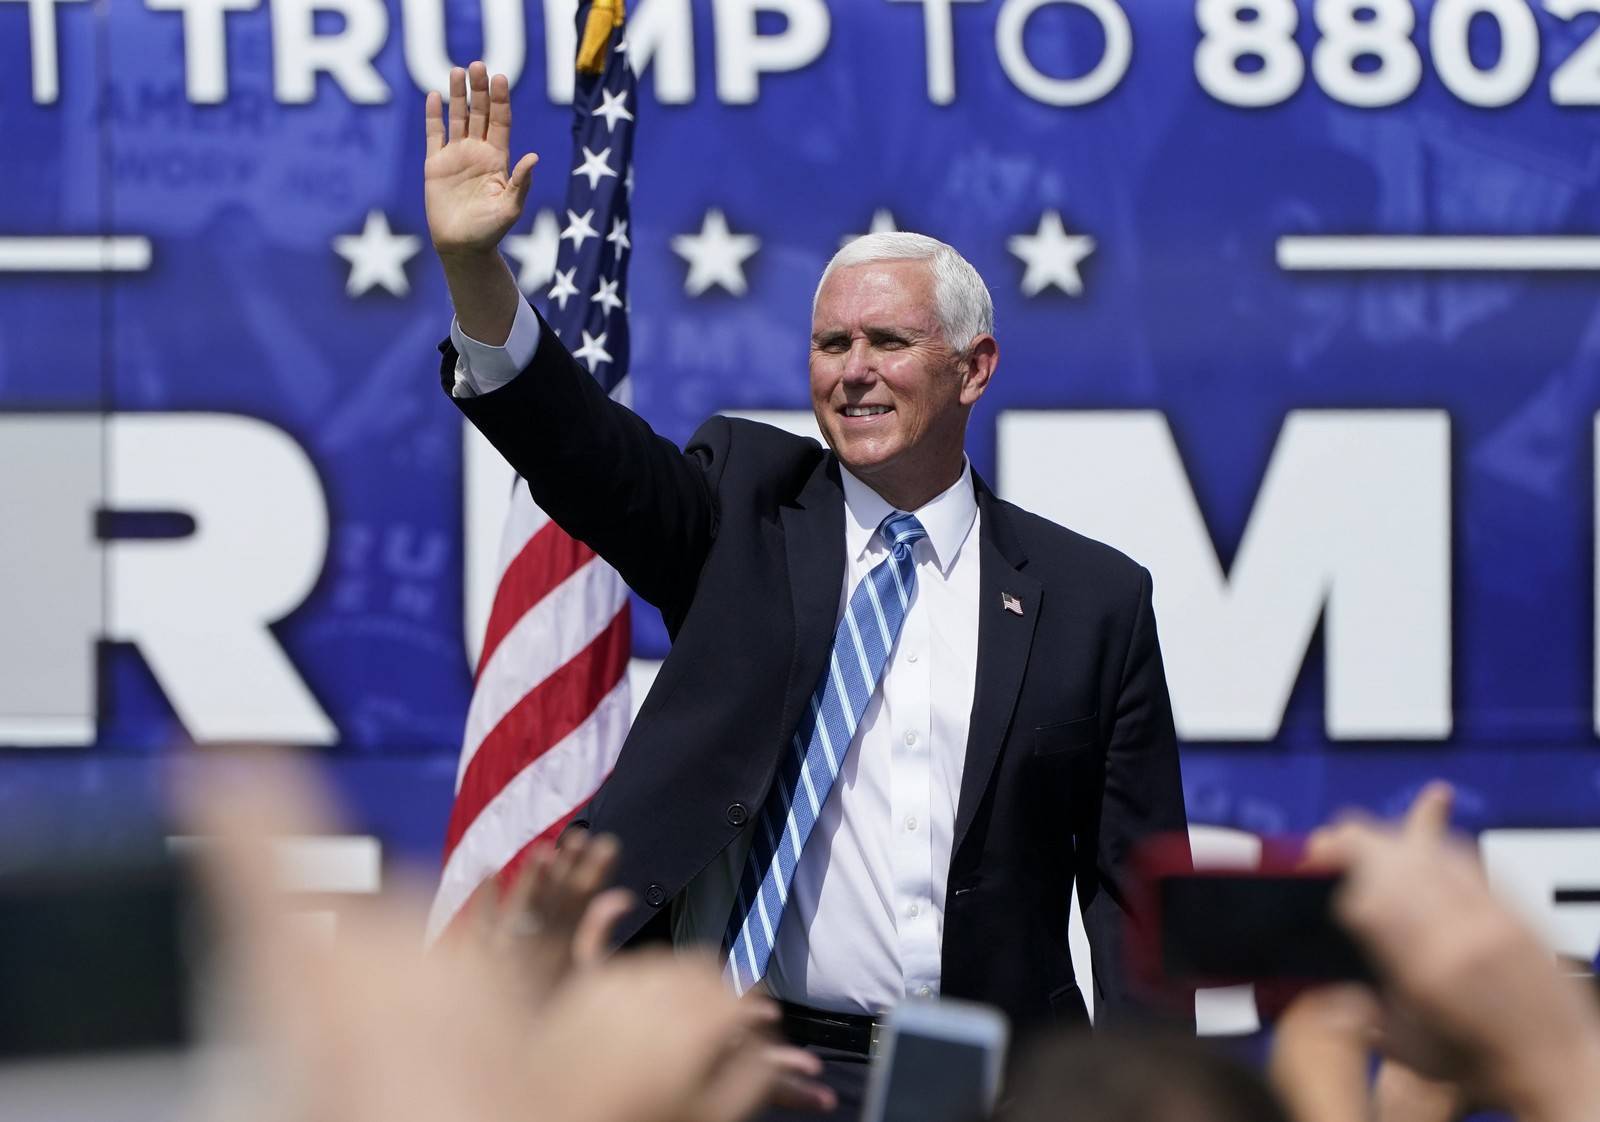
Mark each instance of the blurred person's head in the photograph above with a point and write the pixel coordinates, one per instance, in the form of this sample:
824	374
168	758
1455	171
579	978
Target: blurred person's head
1105	1077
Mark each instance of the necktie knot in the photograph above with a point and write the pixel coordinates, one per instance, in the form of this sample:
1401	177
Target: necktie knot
900	531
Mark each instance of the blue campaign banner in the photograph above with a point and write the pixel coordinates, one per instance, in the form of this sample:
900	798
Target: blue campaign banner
1297	306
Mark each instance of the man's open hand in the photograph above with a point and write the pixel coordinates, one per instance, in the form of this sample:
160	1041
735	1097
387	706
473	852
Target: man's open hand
471	201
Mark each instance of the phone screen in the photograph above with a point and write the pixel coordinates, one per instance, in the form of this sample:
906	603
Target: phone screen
933	1079
1249	927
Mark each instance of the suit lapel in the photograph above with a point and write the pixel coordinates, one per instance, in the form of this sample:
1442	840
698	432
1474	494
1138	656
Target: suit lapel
813	536
1004	639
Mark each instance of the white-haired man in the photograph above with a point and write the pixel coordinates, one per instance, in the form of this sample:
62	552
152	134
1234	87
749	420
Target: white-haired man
900	718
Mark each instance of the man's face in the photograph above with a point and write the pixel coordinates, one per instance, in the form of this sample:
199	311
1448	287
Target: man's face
889	394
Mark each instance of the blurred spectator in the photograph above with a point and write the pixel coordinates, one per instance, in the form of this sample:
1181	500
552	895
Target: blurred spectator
1109	1077
1470	1005
522	1023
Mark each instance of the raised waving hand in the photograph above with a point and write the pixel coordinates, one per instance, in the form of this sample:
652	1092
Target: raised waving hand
471	199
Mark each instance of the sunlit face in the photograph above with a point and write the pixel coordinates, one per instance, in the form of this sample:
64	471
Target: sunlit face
890	395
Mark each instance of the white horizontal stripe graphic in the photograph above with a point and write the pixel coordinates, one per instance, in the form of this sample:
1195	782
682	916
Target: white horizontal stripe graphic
547	637
1378	252
540	795
91	254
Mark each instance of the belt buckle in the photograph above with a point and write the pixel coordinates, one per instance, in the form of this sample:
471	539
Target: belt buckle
872	1039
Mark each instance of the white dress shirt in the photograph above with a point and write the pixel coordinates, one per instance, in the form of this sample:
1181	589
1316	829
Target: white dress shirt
864	925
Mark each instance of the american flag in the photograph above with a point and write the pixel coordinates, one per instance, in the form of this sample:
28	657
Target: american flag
550	699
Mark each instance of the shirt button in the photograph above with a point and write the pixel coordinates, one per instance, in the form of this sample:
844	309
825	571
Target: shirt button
913	911
911	736
925	991
912	657
911	822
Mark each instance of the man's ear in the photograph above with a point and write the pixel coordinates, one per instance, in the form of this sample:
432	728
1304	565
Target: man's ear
977	367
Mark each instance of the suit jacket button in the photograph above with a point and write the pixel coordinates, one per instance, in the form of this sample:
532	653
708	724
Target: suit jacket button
737	814
655	895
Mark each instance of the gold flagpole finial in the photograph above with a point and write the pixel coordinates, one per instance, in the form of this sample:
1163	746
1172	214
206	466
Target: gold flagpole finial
604	17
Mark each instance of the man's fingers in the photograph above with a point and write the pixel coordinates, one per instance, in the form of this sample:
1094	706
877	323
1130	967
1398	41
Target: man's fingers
794	1060
522	177
458	103
1320	848
591	942
478	111
556	895
592	869
797	1086
483	913
509	914
500	113
1337	847
741	1083
1345	1010
1429	816
433	121
541	870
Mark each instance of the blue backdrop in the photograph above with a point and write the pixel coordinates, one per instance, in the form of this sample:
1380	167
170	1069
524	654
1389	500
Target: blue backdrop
246	307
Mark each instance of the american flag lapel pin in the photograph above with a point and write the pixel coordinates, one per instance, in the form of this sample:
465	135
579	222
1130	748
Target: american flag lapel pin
1010	603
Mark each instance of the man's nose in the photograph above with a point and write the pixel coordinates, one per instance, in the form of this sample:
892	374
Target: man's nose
858	364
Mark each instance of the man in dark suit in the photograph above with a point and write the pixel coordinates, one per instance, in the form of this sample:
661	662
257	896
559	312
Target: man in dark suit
901	718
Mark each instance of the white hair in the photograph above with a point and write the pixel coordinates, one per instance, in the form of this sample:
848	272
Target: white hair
961	300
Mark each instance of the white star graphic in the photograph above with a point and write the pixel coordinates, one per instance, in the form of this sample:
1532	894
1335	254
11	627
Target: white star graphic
716	255
593	351
594	167
536	251
619	235
578	228
628	181
564	287
613	108
882	223
1051	256
606	295
377	256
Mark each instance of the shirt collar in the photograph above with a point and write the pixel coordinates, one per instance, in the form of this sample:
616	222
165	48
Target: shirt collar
947	517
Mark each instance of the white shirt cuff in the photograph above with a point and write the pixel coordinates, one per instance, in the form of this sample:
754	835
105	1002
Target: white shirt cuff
482	368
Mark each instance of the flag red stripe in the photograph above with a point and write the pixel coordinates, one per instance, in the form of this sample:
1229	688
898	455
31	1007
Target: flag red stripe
548	712
547	559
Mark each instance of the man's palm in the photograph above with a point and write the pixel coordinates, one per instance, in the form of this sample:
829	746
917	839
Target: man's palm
471	200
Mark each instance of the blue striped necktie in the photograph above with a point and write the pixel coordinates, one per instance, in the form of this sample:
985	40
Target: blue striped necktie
861	646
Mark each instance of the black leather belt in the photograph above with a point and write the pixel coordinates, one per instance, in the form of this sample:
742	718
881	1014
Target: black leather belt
848	1032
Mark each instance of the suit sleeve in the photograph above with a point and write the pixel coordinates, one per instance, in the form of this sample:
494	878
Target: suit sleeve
1143	796
601	473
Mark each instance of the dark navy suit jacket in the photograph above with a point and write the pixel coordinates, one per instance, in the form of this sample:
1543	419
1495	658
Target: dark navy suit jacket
739	540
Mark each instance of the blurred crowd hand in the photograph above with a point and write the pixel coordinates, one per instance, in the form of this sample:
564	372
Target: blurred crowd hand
471	200
369	1027
1324	1041
558	916
1322	1047
555	924
1469	997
